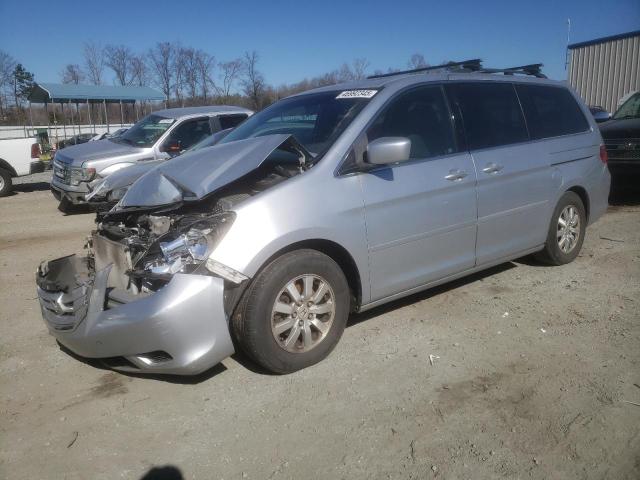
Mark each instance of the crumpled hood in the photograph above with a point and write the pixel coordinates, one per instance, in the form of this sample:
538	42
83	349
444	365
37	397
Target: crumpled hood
76	155
121	178
196	174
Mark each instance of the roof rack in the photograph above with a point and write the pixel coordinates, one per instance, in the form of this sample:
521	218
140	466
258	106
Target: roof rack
534	69
472	65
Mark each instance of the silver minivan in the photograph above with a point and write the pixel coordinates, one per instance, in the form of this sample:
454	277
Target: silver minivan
158	136
328	202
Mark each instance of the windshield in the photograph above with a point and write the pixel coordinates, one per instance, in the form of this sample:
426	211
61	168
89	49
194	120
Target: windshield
629	109
315	120
145	133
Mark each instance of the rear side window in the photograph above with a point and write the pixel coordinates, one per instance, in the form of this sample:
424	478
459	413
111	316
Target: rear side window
422	116
491	113
231	121
550	111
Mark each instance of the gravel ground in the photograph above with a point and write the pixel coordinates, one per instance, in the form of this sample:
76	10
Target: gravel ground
532	370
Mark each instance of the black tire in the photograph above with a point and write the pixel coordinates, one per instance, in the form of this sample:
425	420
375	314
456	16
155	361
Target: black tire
6	184
252	321
552	254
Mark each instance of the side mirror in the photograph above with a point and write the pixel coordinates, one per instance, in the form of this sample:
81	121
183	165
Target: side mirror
601	116
172	148
387	150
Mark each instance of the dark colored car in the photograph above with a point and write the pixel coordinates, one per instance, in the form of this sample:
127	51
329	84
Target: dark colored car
75	140
621	136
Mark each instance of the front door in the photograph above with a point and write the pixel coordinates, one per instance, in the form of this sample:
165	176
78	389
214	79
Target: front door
420	214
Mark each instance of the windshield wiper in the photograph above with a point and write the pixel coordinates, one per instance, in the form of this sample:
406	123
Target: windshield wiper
625	117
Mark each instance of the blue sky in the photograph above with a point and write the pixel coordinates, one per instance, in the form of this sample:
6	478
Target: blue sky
297	39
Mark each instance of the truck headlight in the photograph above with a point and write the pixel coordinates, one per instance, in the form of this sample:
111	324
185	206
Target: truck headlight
78	175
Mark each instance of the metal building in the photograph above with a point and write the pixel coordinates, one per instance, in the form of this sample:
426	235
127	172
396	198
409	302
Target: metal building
606	69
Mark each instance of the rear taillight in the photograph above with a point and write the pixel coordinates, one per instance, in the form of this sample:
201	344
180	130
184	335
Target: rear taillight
35	150
604	156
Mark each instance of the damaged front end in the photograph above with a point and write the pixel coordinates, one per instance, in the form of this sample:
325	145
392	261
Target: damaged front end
145	298
149	296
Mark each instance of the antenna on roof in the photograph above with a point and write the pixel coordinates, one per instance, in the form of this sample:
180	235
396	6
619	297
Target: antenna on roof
472	65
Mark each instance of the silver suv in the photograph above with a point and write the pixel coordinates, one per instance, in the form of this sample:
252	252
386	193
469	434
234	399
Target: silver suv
158	136
329	202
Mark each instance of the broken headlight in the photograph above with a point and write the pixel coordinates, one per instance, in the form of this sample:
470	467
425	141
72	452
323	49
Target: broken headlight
191	246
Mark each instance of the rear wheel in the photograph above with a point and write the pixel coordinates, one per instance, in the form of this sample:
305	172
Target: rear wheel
6	184
294	312
566	231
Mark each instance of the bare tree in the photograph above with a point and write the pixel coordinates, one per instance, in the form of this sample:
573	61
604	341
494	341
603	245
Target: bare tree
253	83
94	62
229	74
189	71
162	58
139	70
72	73
417	61
118	59
7	66
179	73
360	66
204	66
345	74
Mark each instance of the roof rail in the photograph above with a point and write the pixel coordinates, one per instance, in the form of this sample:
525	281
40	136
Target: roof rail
534	69
472	65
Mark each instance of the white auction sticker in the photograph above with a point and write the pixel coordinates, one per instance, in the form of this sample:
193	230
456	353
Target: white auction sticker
357	94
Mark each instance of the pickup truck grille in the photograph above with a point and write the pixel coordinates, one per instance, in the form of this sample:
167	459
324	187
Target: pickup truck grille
62	172
623	149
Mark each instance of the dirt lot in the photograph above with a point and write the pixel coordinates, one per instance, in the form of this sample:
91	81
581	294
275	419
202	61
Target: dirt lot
532	370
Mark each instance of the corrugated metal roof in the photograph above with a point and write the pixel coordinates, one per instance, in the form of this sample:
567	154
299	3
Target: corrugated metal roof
610	38
57	92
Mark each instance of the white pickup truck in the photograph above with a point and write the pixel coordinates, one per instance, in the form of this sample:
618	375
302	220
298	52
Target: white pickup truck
18	157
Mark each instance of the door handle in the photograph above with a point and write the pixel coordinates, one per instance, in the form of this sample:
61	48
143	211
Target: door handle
492	168
455	175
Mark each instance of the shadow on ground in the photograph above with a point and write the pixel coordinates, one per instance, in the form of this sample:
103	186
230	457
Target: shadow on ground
176	379
168	472
625	191
30	187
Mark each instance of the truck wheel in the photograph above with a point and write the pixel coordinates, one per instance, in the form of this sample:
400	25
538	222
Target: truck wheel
294	312
566	231
6	184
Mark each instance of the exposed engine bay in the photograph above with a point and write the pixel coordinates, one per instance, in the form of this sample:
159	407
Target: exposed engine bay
147	246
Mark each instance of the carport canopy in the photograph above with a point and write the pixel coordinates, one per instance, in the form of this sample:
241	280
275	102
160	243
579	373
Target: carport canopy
72	93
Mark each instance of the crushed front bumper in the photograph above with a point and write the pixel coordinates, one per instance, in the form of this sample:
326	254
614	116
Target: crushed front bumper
181	329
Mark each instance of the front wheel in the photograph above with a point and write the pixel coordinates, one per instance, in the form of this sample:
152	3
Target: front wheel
566	231
294	312
6	184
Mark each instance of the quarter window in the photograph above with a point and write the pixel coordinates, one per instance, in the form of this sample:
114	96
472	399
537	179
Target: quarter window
550	111
231	121
422	116
491	113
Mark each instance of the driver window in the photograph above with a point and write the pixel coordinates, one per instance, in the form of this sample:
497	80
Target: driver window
422	116
189	132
